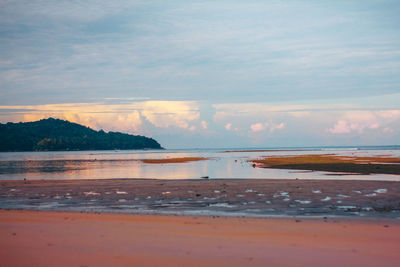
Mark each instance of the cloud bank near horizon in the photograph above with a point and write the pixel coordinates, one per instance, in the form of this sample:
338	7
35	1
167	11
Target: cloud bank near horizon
236	124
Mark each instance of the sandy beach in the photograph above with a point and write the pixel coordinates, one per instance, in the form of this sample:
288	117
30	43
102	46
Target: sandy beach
131	222
32	238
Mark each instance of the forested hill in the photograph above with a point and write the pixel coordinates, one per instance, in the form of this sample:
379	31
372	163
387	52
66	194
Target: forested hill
54	134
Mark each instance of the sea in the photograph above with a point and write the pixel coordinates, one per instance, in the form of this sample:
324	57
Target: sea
222	163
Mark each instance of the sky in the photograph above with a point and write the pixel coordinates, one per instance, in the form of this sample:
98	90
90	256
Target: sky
207	74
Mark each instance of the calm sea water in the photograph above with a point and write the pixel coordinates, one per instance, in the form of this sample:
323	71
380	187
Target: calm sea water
127	164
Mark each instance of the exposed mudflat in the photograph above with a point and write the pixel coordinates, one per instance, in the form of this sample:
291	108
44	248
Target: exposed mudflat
332	163
247	197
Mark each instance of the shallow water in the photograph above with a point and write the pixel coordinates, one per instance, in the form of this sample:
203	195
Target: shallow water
127	164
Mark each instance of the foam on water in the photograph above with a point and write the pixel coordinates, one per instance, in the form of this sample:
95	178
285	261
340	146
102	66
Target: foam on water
381	191
326	199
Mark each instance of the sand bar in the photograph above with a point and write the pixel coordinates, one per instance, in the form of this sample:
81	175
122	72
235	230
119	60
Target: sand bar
32	238
331	163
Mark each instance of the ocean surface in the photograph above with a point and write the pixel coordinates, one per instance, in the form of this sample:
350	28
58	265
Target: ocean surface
227	163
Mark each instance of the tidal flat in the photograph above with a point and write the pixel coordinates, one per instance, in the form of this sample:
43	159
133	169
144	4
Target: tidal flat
332	163
221	197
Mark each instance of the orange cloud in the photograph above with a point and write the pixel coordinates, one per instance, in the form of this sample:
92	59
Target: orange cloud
171	113
118	117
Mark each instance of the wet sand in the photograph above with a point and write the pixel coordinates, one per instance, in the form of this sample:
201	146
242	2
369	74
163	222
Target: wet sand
32	238
246	197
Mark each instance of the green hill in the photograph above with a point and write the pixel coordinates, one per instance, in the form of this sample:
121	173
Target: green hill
54	134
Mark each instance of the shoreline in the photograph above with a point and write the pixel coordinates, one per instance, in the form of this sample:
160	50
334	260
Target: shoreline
42	238
296	218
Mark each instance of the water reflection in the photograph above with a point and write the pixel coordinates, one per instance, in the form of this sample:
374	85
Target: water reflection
127	164
37	166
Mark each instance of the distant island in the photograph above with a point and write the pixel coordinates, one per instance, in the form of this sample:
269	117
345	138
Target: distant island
57	135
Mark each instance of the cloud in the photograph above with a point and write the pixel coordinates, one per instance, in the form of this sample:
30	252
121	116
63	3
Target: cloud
387	130
95	115
341	127
344	127
82	11
359	121
171	113
195	124
275	127
390	114
177	50
258	127
257	109
111	117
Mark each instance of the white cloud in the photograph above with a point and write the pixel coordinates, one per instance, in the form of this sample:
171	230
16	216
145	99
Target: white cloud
258	127
359	121
171	113
340	127
275	127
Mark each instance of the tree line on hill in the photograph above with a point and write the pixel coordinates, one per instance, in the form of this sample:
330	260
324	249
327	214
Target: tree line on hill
56	135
